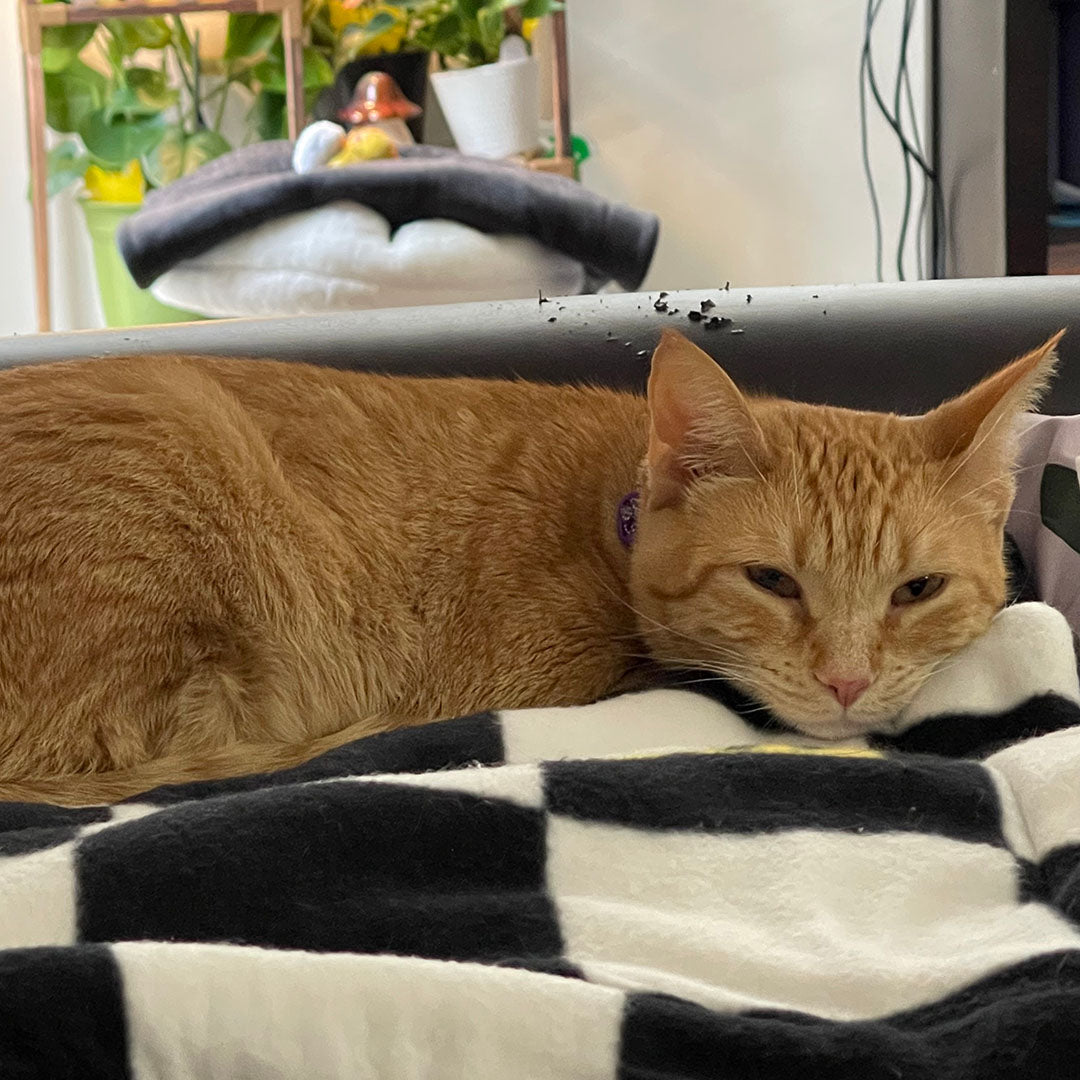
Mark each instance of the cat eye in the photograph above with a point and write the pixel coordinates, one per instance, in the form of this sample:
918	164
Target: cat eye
775	581
921	588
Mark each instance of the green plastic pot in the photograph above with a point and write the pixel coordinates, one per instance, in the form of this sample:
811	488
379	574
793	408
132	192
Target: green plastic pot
122	301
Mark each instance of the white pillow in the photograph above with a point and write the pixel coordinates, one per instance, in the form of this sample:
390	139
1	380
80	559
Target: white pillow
343	256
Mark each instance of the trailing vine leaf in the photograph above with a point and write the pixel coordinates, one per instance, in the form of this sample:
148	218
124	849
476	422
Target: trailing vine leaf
322	33
66	165
271	72
151	87
181	42
202	147
123	103
445	36
135	34
492	30
178	154
532	9
114	52
61	45
71	94
268	114
470	31
164	163
114	144
249	36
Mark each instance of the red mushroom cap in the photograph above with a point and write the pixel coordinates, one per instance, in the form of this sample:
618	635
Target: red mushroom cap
378	97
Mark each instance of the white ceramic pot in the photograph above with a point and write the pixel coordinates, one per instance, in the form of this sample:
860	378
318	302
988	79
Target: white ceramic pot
493	111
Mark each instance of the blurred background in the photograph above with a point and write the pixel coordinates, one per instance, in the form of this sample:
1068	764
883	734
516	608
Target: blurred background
750	128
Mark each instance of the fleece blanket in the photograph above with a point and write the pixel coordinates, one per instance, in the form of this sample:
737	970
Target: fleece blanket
248	187
647	888
346	257
1044	521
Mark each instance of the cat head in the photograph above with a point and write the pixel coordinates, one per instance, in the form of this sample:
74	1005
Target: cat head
824	560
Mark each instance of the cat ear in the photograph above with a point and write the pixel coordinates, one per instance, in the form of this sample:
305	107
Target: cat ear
976	428
699	422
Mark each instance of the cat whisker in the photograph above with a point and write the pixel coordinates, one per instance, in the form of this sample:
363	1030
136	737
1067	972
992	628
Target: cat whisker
796	482
719	667
1002	478
967	456
698	664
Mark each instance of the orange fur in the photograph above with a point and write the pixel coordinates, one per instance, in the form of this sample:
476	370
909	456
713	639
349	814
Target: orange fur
851	505
210	567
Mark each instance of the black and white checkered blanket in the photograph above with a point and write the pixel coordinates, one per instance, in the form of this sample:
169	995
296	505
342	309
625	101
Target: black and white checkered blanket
607	892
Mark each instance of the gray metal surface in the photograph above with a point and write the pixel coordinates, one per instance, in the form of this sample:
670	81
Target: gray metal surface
901	347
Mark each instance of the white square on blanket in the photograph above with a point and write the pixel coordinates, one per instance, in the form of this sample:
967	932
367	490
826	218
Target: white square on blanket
224	1012
840	925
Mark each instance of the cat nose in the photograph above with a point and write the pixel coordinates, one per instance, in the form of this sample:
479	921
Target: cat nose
845	689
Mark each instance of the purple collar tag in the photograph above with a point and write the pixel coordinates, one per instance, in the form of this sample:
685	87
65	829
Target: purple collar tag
626	519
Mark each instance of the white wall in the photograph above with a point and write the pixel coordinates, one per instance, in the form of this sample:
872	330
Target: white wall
75	303
16	266
735	120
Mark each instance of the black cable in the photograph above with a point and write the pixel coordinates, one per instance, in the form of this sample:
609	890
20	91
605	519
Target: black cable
905	35
932	199
871	13
911	152
924	201
875	90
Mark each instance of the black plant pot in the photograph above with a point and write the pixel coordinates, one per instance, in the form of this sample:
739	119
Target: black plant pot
408	69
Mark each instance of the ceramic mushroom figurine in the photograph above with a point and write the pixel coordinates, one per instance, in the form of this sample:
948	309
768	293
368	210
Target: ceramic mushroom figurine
378	102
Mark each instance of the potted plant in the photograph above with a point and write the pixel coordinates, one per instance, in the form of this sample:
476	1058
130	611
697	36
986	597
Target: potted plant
488	88
374	35
130	129
254	58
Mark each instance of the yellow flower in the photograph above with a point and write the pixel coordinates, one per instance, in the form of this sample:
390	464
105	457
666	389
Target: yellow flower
345	13
126	186
528	28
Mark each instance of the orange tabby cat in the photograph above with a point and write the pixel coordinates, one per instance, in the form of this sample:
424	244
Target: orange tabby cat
210	567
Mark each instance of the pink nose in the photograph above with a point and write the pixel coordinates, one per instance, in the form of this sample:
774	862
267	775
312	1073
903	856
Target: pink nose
846	691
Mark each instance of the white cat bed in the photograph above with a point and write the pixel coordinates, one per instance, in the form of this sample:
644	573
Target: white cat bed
343	256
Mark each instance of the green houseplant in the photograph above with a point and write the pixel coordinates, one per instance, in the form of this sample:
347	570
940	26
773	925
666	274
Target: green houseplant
488	88
254	58
141	105
470	33
127	127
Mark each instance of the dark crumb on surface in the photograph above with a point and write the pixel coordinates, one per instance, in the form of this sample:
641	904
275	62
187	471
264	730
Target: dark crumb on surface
748	298
727	285
552	319
824	313
707	305
660	305
716	322
662	295
738	331
561	308
673	311
814	297
695	316
542	298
